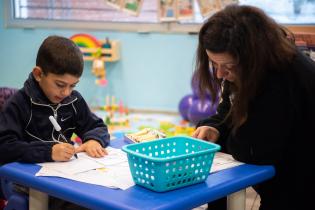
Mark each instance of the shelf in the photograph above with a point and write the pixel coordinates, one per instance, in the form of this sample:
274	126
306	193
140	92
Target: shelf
108	54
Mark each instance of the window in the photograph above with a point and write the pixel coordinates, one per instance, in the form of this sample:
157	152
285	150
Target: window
287	11
92	14
97	14
81	10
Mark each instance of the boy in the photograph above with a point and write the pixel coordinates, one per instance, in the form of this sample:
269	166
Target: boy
26	133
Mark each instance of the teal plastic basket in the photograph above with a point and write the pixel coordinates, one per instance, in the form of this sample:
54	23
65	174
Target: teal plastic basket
170	163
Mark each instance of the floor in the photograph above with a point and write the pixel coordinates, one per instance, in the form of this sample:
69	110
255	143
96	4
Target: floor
252	201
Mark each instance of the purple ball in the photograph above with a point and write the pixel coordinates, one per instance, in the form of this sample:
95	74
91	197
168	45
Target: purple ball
184	105
200	110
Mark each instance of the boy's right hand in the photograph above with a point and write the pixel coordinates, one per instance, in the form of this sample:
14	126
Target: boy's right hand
62	152
206	133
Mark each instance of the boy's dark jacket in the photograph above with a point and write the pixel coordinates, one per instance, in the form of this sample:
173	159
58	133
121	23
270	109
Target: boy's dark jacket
279	131
27	135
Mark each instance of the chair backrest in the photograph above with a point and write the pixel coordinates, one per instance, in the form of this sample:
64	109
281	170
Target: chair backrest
5	94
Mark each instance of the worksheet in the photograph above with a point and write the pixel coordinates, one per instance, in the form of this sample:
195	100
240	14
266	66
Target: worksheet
113	169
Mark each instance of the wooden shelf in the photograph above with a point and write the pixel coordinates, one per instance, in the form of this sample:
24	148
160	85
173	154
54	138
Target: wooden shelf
108	54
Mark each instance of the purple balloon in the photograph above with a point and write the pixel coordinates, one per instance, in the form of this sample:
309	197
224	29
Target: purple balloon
184	105
200	110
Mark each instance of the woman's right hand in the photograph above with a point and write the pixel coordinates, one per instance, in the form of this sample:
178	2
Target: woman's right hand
206	133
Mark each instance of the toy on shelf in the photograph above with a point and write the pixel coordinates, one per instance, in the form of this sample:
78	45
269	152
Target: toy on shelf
86	41
110	50
97	51
106	45
146	134
89	45
116	117
98	69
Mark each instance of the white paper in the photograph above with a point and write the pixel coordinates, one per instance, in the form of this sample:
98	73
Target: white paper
74	166
114	157
111	170
223	161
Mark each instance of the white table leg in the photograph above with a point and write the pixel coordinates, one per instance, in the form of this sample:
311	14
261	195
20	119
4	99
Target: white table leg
37	200
237	200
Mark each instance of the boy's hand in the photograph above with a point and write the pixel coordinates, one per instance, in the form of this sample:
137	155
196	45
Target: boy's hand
93	148
62	152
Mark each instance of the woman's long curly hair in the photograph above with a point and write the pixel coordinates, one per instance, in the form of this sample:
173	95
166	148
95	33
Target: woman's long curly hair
257	43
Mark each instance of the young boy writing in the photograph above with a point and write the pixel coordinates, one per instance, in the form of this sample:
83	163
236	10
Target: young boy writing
26	133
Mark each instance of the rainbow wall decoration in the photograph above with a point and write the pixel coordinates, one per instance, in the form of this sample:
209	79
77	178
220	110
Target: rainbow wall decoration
85	40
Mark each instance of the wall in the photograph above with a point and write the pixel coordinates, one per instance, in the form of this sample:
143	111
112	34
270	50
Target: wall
154	71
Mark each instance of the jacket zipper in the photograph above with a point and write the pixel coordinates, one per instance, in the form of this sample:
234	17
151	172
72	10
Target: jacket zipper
58	106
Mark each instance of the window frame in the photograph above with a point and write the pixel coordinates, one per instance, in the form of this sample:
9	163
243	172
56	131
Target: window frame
162	27
11	22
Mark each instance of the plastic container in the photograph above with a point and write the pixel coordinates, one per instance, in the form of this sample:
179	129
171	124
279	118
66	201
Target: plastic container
170	163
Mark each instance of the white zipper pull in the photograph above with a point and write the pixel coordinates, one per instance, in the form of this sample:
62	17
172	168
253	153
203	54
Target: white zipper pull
55	111
55	114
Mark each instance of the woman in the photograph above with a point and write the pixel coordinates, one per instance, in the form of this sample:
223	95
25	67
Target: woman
267	109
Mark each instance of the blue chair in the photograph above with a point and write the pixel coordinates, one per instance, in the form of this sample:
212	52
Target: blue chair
5	94
14	200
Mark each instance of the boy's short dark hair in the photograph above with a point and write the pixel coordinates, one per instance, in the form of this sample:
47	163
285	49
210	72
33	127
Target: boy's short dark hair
60	55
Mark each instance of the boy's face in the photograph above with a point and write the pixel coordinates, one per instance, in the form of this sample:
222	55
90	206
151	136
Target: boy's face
56	87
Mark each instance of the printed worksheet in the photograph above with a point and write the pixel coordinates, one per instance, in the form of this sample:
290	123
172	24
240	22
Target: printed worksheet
111	170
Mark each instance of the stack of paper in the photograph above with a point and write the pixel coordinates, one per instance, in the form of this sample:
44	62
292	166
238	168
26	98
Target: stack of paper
109	171
112	170
223	161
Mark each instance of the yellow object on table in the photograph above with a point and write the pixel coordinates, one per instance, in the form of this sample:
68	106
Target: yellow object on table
146	134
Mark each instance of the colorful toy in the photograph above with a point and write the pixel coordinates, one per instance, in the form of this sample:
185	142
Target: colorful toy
106	45
92	47
85	40
98	69
116	117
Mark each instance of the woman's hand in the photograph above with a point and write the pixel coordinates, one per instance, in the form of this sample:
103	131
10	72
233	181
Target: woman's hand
206	133
93	148
62	152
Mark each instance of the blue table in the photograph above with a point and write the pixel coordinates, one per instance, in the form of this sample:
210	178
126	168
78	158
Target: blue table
232	182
